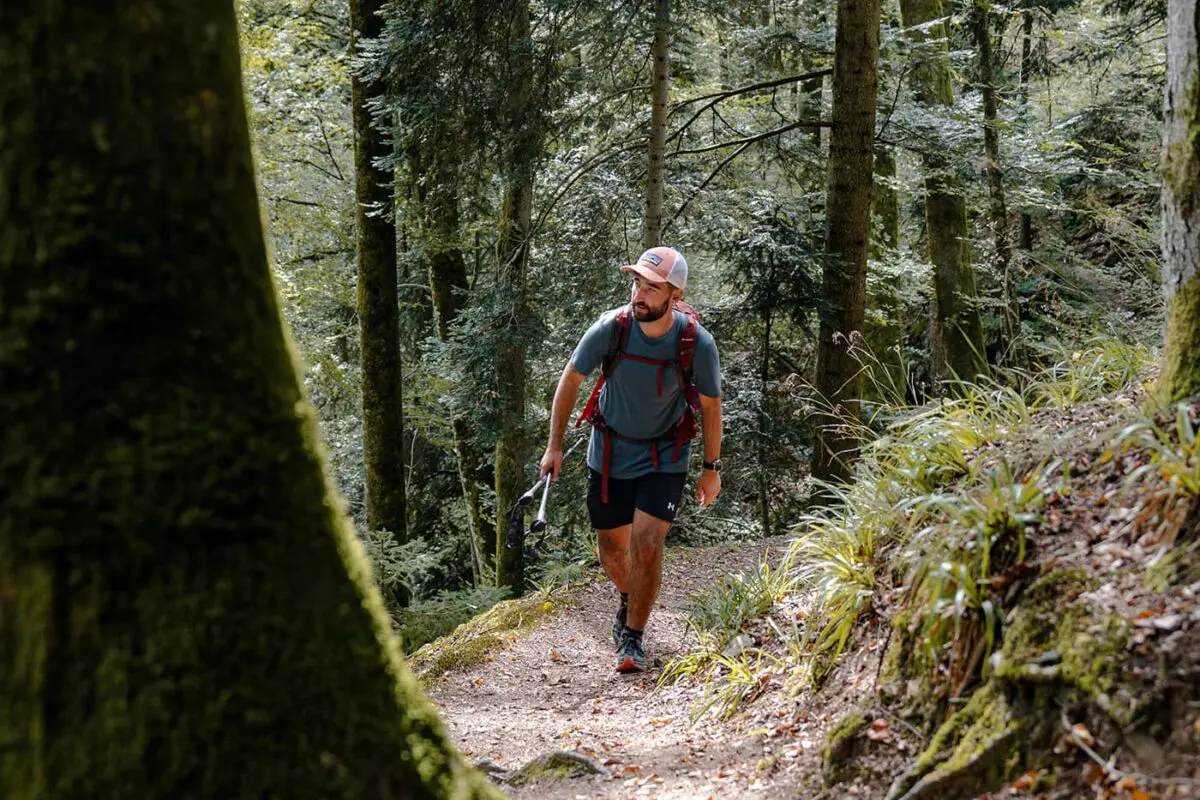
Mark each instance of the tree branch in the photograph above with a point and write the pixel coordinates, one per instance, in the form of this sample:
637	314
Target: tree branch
756	138
717	97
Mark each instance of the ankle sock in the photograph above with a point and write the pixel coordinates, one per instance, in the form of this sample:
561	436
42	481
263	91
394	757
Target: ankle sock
633	632
624	599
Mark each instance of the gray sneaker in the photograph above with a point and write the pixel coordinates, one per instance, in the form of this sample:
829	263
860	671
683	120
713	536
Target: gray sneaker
618	625
630	657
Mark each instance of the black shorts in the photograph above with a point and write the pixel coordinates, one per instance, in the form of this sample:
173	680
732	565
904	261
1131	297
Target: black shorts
655	493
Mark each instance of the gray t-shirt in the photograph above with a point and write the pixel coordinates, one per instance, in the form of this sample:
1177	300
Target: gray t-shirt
630	400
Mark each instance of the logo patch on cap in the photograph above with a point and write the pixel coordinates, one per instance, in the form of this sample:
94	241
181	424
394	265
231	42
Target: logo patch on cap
653	258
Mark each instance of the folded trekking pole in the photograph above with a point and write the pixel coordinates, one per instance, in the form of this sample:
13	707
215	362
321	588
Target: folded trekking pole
539	522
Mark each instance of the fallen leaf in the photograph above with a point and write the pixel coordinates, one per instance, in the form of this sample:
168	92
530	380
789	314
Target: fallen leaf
1092	773
1126	784
1140	795
1025	782
878	732
556	656
479	681
659	722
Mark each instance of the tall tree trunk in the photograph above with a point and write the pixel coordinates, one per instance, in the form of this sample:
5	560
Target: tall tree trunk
515	228
656	149
991	147
378	310
1025	242
184	610
957	332
847	234
1180	376
885	201
764	418
437	193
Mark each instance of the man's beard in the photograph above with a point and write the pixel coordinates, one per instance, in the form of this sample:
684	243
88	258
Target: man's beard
645	313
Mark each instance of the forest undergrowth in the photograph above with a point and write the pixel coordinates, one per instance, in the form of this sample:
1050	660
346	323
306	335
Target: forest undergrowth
1027	550
1010	585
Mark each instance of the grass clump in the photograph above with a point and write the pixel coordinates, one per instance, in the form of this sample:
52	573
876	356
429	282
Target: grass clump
726	660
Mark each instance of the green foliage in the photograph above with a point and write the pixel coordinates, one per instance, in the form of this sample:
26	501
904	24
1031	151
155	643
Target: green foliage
725	661
958	564
1173	447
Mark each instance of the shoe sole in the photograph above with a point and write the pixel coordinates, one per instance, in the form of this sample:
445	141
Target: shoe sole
629	665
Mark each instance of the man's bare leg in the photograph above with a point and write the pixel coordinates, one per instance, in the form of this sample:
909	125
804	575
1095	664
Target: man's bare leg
645	548
614	555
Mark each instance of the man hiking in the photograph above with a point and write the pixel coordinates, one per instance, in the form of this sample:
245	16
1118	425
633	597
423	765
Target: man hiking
659	367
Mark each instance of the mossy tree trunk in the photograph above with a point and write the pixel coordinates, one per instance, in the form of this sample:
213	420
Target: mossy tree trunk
847	234
885	202
378	309
184	608
1010	311
1025	234
660	95
1180	376
512	448
436	177
957	332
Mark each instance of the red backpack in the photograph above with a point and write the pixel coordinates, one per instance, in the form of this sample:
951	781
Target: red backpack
682	430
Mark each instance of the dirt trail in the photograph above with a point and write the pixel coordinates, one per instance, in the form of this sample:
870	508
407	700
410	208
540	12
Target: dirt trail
556	690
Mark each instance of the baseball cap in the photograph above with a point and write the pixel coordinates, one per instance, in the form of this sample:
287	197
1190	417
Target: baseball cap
661	265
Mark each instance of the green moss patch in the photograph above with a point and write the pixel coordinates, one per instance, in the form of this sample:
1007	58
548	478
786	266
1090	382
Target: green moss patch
841	745
476	640
1054	651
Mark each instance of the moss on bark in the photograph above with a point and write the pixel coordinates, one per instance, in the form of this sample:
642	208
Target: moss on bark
957	331
847	236
184	610
378	310
1054	653
1180	375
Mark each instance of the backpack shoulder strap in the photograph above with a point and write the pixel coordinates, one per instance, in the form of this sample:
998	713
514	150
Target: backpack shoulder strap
685	347
618	338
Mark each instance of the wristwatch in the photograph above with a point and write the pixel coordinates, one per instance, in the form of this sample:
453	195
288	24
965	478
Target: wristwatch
715	466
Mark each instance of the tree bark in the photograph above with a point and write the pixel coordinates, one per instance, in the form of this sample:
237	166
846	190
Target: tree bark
998	208
1025	242
1180	168
764	417
184	608
512	449
847	235
957	333
437	194
378	310
656	147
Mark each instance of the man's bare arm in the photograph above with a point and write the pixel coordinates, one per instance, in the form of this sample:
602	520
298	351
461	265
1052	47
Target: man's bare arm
710	426
565	396
708	485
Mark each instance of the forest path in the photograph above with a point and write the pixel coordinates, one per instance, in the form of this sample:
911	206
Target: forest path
555	689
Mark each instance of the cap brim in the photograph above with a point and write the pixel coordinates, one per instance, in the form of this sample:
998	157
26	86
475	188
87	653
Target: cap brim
645	272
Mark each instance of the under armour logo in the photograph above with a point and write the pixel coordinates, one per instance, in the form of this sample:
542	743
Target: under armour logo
670	506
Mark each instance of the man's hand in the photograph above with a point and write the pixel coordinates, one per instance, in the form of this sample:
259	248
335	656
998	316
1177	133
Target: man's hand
551	462
708	486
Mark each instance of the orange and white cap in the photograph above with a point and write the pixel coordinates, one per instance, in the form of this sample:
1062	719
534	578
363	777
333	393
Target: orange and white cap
661	265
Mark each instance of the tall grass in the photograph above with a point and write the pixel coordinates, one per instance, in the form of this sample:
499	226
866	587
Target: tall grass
925	506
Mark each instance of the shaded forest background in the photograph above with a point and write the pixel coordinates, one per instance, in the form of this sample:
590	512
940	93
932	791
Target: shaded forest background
512	157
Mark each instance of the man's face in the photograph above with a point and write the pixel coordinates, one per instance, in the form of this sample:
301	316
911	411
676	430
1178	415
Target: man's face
650	300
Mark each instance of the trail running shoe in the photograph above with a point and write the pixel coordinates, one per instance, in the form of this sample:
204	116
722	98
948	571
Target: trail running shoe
619	625
630	657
